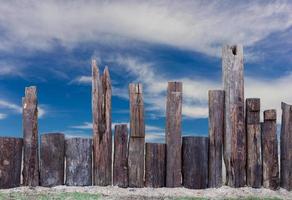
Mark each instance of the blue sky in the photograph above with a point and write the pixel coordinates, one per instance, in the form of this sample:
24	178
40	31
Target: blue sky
50	44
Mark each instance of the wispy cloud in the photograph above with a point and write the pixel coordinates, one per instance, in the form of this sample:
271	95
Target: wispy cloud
193	25
4	104
2	116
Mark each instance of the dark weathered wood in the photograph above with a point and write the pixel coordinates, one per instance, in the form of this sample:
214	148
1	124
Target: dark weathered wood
254	145
136	157
136	162
102	132
10	162
270	151
173	134
30	138
234	149
155	165
137	125
195	162
286	147
216	129
120	169
52	155
78	153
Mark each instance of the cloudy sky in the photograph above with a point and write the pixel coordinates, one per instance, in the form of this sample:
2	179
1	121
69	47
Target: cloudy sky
50	44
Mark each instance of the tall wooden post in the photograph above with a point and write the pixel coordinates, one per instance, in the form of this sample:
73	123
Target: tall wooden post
254	143
102	132
137	136
30	138
10	162
286	147
120	169
270	150
216	129
234	134
155	165
173	134
52	155
195	162
78	153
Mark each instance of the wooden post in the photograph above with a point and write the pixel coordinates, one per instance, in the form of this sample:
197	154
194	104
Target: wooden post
155	165
173	134
286	147
195	162
234	134
137	137
254	149
270	150
78	153
10	162
216	129
120	169
102	132
30	138
52	156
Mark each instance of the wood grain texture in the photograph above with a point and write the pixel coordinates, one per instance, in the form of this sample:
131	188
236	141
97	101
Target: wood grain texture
216	129
136	161
120	169
271	178
173	134
78	153
254	143
195	162
30	137
286	147
10	162
234	150
52	158
155	165
102	132
136	157
137	125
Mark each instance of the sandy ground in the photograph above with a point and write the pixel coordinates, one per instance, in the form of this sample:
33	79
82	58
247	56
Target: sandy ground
111	192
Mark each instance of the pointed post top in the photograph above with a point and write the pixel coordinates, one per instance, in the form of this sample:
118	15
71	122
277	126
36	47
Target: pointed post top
106	73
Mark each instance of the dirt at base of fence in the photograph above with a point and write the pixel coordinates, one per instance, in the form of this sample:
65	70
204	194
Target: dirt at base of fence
114	193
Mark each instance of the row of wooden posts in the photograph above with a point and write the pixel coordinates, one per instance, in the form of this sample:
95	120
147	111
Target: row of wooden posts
249	147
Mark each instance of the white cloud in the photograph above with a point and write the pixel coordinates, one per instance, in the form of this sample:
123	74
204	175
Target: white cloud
18	109
82	80
85	125
195	25
2	116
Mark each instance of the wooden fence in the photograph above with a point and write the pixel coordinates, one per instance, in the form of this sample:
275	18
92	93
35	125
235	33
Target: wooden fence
249	147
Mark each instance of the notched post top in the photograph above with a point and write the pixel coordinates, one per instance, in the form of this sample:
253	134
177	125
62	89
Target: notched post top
174	86
135	88
270	115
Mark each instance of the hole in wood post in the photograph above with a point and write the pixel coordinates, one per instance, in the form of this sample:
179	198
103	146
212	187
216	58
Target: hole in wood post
234	50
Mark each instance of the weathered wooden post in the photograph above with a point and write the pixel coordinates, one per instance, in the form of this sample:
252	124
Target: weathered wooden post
195	162
254	149
286	147
10	162
173	134
137	137
102	133
78	153
270	150
216	129
155	165
30	137
234	134
120	169
52	155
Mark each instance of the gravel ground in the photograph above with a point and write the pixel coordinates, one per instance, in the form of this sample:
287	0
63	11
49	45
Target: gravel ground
111	192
